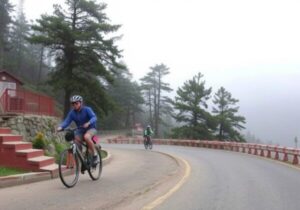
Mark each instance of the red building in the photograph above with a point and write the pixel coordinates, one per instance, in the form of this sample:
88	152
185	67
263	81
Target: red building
8	81
15	100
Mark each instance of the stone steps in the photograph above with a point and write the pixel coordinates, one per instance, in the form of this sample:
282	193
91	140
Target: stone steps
5	131
8	138
19	154
30	153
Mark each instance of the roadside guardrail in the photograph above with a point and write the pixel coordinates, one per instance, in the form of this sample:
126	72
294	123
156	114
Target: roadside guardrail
285	154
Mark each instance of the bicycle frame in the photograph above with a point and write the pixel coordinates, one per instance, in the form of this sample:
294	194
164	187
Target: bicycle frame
75	150
72	158
148	139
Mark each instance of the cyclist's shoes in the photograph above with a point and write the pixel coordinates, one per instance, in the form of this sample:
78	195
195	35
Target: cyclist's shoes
95	161
83	169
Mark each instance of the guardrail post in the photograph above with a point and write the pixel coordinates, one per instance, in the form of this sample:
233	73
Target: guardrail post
255	149
237	148
249	150
295	160
231	147
269	152
262	154
244	149
285	157
276	153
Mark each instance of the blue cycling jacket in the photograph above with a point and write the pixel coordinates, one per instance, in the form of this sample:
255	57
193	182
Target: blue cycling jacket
84	115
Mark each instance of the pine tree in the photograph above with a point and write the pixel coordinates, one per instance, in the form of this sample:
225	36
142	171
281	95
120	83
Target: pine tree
154	88
5	20
149	91
24	59
19	45
228	121
85	52
191	104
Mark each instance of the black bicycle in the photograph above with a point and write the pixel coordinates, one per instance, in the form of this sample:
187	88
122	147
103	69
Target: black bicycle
148	142
75	157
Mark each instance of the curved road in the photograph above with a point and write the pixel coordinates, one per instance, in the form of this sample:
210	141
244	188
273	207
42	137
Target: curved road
224	180
128	177
218	180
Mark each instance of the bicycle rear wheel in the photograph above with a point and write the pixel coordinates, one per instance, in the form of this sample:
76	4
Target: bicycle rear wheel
95	172
68	168
150	144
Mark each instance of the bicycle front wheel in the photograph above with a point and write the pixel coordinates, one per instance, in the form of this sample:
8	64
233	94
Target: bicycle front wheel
145	143
95	172
68	168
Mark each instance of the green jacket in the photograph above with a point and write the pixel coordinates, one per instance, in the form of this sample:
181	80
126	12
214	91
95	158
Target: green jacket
148	132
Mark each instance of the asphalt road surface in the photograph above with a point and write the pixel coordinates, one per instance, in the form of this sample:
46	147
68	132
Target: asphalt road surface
219	180
223	180
131	179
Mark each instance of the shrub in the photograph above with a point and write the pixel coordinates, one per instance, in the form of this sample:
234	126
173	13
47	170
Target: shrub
59	147
39	141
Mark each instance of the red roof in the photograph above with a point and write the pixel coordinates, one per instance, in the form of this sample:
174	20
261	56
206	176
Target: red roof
12	76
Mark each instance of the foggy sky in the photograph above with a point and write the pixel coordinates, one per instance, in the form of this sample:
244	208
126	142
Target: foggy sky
252	48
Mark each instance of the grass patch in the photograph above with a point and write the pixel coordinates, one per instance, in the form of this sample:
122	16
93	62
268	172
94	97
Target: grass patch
103	154
4	171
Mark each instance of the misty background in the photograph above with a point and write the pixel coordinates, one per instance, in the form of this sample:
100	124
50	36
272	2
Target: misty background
250	48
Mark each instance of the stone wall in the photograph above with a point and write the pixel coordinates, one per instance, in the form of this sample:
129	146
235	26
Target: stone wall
29	125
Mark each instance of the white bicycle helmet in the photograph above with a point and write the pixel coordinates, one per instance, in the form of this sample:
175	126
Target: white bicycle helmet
76	98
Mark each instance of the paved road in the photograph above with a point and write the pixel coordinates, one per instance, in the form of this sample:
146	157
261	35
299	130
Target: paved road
224	180
128	182
219	180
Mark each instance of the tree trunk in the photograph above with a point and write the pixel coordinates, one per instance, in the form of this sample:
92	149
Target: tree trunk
150	108
158	104
40	66
1	57
127	121
70	57
221	132
155	109
67	102
133	119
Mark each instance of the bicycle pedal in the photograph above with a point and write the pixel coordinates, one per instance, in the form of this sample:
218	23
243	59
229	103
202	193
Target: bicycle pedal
83	169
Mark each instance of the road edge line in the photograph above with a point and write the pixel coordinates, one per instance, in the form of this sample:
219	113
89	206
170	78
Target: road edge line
164	197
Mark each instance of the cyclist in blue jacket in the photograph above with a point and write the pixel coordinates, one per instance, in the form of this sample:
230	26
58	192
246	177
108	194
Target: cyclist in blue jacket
85	120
